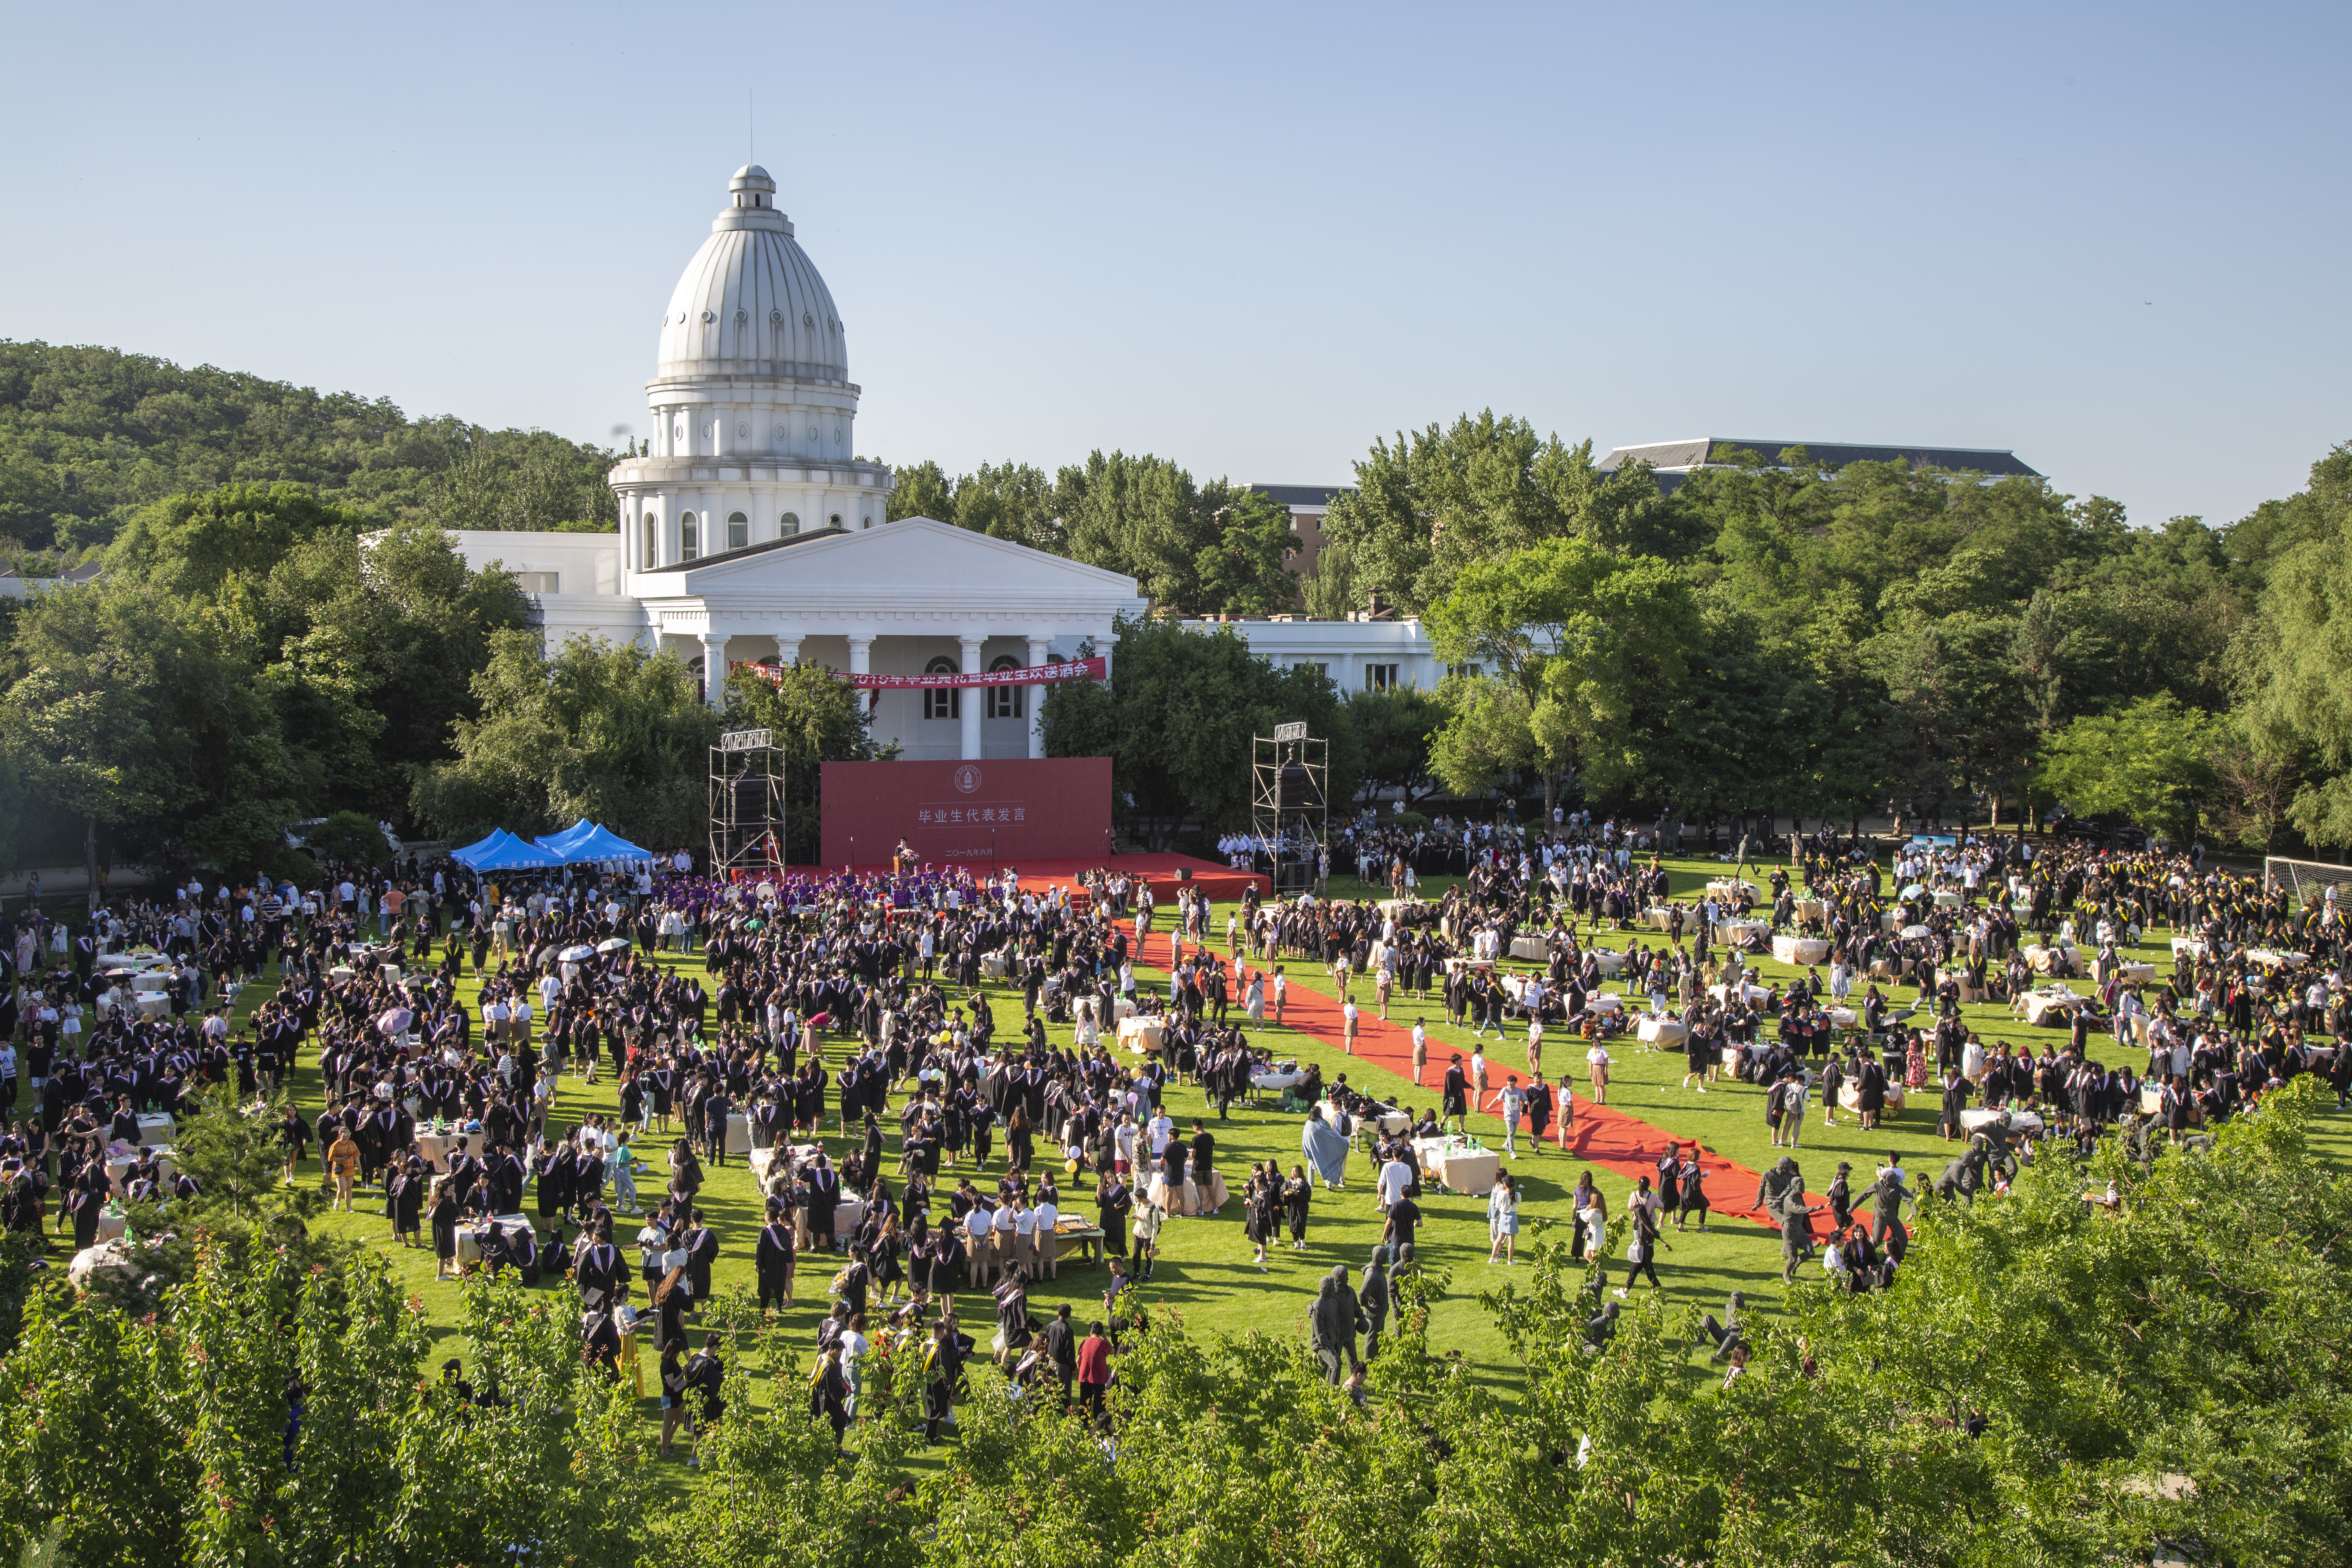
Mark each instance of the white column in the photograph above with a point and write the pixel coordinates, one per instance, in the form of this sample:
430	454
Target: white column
788	647
714	668
861	662
1346	672
971	699
1037	651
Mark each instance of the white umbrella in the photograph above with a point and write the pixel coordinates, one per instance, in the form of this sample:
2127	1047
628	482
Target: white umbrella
614	945
1912	891
1913	933
395	1020
574	954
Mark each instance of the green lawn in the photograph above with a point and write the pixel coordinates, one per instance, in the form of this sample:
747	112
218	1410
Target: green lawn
1205	1274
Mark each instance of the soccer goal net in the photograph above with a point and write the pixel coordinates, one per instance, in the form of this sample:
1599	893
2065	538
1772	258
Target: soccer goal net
2306	881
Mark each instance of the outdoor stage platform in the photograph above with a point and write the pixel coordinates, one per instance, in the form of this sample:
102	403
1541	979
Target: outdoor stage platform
1220	882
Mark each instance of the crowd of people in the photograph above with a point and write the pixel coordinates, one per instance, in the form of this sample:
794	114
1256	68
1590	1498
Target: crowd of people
750	1021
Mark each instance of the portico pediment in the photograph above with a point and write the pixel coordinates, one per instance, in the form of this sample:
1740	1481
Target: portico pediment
915	557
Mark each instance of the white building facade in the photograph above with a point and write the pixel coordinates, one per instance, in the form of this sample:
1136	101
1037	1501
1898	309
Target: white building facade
751	532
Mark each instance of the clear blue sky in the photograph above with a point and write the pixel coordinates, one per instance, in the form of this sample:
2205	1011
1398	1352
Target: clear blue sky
1251	238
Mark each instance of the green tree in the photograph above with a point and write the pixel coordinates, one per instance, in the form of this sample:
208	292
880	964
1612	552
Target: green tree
2151	762
136	710
1435	502
193	546
386	1466
1593	644
349	837
1246	571
604	730
1142	516
2293	653
1395	727
923	489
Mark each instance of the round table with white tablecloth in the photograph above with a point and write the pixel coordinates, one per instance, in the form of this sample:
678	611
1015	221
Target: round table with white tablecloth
1728	889
1662	1032
1212	1199
156	1129
2022	1122
1750	993
1604	1002
2046	1004
1801	951
1457	1166
121	1157
1737	932
469	1236
1142	1035
1274	1080
1850	1098
2058	959
1531	949
1608	961
2137	973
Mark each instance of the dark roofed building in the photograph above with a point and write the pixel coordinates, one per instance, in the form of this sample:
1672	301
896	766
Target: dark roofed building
1672	459
1307	504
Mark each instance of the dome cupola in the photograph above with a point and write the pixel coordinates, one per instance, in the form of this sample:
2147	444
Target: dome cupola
750	303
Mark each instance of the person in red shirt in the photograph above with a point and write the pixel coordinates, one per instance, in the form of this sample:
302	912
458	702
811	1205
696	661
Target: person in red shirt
1094	1371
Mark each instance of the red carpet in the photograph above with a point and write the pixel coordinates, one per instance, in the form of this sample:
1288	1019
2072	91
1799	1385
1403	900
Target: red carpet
1220	882
1602	1134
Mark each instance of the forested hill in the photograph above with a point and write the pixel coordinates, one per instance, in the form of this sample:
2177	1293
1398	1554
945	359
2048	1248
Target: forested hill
88	435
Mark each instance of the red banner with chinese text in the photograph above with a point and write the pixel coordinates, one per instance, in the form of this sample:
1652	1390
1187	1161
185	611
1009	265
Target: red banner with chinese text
1033	675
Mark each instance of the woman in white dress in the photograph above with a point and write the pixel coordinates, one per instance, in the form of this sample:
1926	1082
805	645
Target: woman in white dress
1503	1220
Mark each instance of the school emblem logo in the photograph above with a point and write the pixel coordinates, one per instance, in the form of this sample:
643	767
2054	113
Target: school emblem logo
967	778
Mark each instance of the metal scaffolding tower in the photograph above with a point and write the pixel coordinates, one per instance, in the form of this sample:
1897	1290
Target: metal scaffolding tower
1290	810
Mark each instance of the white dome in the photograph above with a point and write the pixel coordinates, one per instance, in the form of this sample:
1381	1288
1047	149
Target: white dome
750	301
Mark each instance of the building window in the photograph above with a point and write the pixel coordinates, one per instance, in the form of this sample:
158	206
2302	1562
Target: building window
688	537
1006	702
649	526
1322	669
739	531
833	522
788	524
539	581
946	704
1379	677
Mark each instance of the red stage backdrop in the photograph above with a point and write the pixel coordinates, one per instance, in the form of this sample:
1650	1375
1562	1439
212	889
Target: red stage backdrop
1049	809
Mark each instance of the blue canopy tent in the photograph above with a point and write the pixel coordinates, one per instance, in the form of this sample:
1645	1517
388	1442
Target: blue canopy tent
586	842
503	851
561	842
473	852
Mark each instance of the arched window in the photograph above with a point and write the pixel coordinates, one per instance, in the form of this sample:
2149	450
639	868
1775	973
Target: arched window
789	524
1006	702
688	537
947	703
833	522
739	531
649	527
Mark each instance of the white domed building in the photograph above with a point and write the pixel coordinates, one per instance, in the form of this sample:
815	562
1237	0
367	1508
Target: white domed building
750	530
